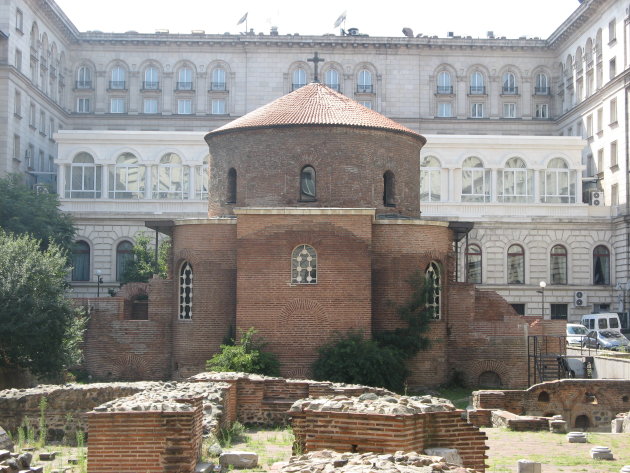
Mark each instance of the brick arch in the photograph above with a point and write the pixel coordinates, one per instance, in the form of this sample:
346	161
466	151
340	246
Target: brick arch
130	367
476	368
187	254
132	290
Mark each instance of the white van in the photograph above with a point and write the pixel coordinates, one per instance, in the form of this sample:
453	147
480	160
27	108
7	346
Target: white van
599	322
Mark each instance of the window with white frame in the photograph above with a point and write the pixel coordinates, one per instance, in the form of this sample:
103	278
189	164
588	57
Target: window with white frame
218	107
42	122
542	110
364	82
126	178
150	105
118	78
184	106
558	265
477	86
151	79
444	84
218	79
430	179
304	265
476	110
299	78
83	105
185	291
613	111
433	278
84	180
589	126
509	84
515	182
51	128
331	79
117	105
542	84
516	264
445	109
32	120
170	178
19	20
473	263
558	183
184	79
17	148
600	120
612	30
84	78
612	68
509	110
613	154
475	181
17	104
600	160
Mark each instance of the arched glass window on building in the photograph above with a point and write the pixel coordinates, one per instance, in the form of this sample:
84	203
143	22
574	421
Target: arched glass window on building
184	79
558	265
201	180
231	186
151	79
81	261
124	256
542	84
601	266
84	78
299	78
475	181
433	278
218	79
430	179
477	85
389	189
170	178
308	184
126	178
509	84
364	82
444	84
304	265
84	180
516	265
473	264
515	182
331	79
185	291
118	78
559	183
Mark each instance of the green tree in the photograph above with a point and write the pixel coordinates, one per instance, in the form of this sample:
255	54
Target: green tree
39	329
143	267
247	355
22	211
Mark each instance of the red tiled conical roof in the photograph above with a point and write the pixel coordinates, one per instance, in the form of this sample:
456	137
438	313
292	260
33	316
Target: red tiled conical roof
314	104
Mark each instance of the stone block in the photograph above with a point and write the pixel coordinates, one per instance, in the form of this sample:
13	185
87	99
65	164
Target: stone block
558	426
37	469
616	425
601	453
5	441
451	455
5	454
204	467
24	460
47	456
528	466
239	459
576	437
625	469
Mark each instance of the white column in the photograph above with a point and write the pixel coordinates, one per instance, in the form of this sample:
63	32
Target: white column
61	180
105	181
494	190
147	181
191	181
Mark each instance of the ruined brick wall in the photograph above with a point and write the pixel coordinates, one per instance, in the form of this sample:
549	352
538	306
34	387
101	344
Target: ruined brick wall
349	163
296	319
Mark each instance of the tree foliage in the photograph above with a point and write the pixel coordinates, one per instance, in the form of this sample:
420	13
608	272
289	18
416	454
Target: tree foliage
351	358
247	356
22	211
143	267
39	329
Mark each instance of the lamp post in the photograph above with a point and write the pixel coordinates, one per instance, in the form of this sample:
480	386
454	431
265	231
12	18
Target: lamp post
542	285
99	281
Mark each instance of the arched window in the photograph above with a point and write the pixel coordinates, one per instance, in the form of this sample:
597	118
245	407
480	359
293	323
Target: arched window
80	261
84	78
444	85
126	180
477	86
516	265
308	184
124	255
185	291
304	265
118	78
558	265
542	84
170	179
509	84
364	82
184	79
151	79
218	79
473	264
430	179
299	78
601	266
84	180
475	181
434	281
201	180
231	186
515	182
331	79
559	182
389	190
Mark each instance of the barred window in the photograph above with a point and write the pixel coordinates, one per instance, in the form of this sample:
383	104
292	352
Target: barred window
433	279
185	291
304	265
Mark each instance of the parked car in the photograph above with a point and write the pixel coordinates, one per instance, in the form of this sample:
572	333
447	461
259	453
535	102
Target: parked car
575	333
609	339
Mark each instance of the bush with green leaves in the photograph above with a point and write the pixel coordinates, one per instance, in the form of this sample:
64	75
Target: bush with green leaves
247	355
143	265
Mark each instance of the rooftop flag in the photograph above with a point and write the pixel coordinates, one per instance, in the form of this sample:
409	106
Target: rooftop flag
242	20
341	19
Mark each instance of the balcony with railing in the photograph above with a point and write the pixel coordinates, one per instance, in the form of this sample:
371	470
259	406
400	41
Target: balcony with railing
477	90
218	86
83	84
541	90
444	89
365	89
509	90
184	85
150	85
117	85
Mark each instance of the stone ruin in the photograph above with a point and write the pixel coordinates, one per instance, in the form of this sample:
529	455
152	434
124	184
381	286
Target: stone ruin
158	426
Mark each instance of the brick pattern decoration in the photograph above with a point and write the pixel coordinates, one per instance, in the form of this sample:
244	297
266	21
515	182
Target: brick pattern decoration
361	432
147	441
598	400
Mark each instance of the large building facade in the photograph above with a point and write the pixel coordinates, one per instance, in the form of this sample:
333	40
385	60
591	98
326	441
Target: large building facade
527	138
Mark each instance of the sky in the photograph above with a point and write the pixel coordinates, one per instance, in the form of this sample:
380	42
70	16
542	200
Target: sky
379	18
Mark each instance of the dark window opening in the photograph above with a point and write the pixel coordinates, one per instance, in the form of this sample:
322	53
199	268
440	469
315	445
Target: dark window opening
81	261
490	379
308	185
389	194
231	186
582	422
124	256
519	308
559	311
601	266
544	397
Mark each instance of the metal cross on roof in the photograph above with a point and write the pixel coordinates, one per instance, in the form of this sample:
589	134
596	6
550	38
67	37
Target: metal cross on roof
315	60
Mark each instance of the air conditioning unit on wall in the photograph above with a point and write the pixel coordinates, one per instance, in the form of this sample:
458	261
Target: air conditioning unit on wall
579	298
597	198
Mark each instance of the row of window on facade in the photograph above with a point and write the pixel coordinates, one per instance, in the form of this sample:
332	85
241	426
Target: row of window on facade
152	106
514	182
45	125
445	109
477	84
81	270
304	272
170	178
558	268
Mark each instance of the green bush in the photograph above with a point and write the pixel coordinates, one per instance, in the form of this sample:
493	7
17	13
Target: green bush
247	356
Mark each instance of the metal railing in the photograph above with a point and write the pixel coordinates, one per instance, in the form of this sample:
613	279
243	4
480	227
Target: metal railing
477	90
117	84
365	89
444	89
509	90
184	85
150	85
541	90
217	86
